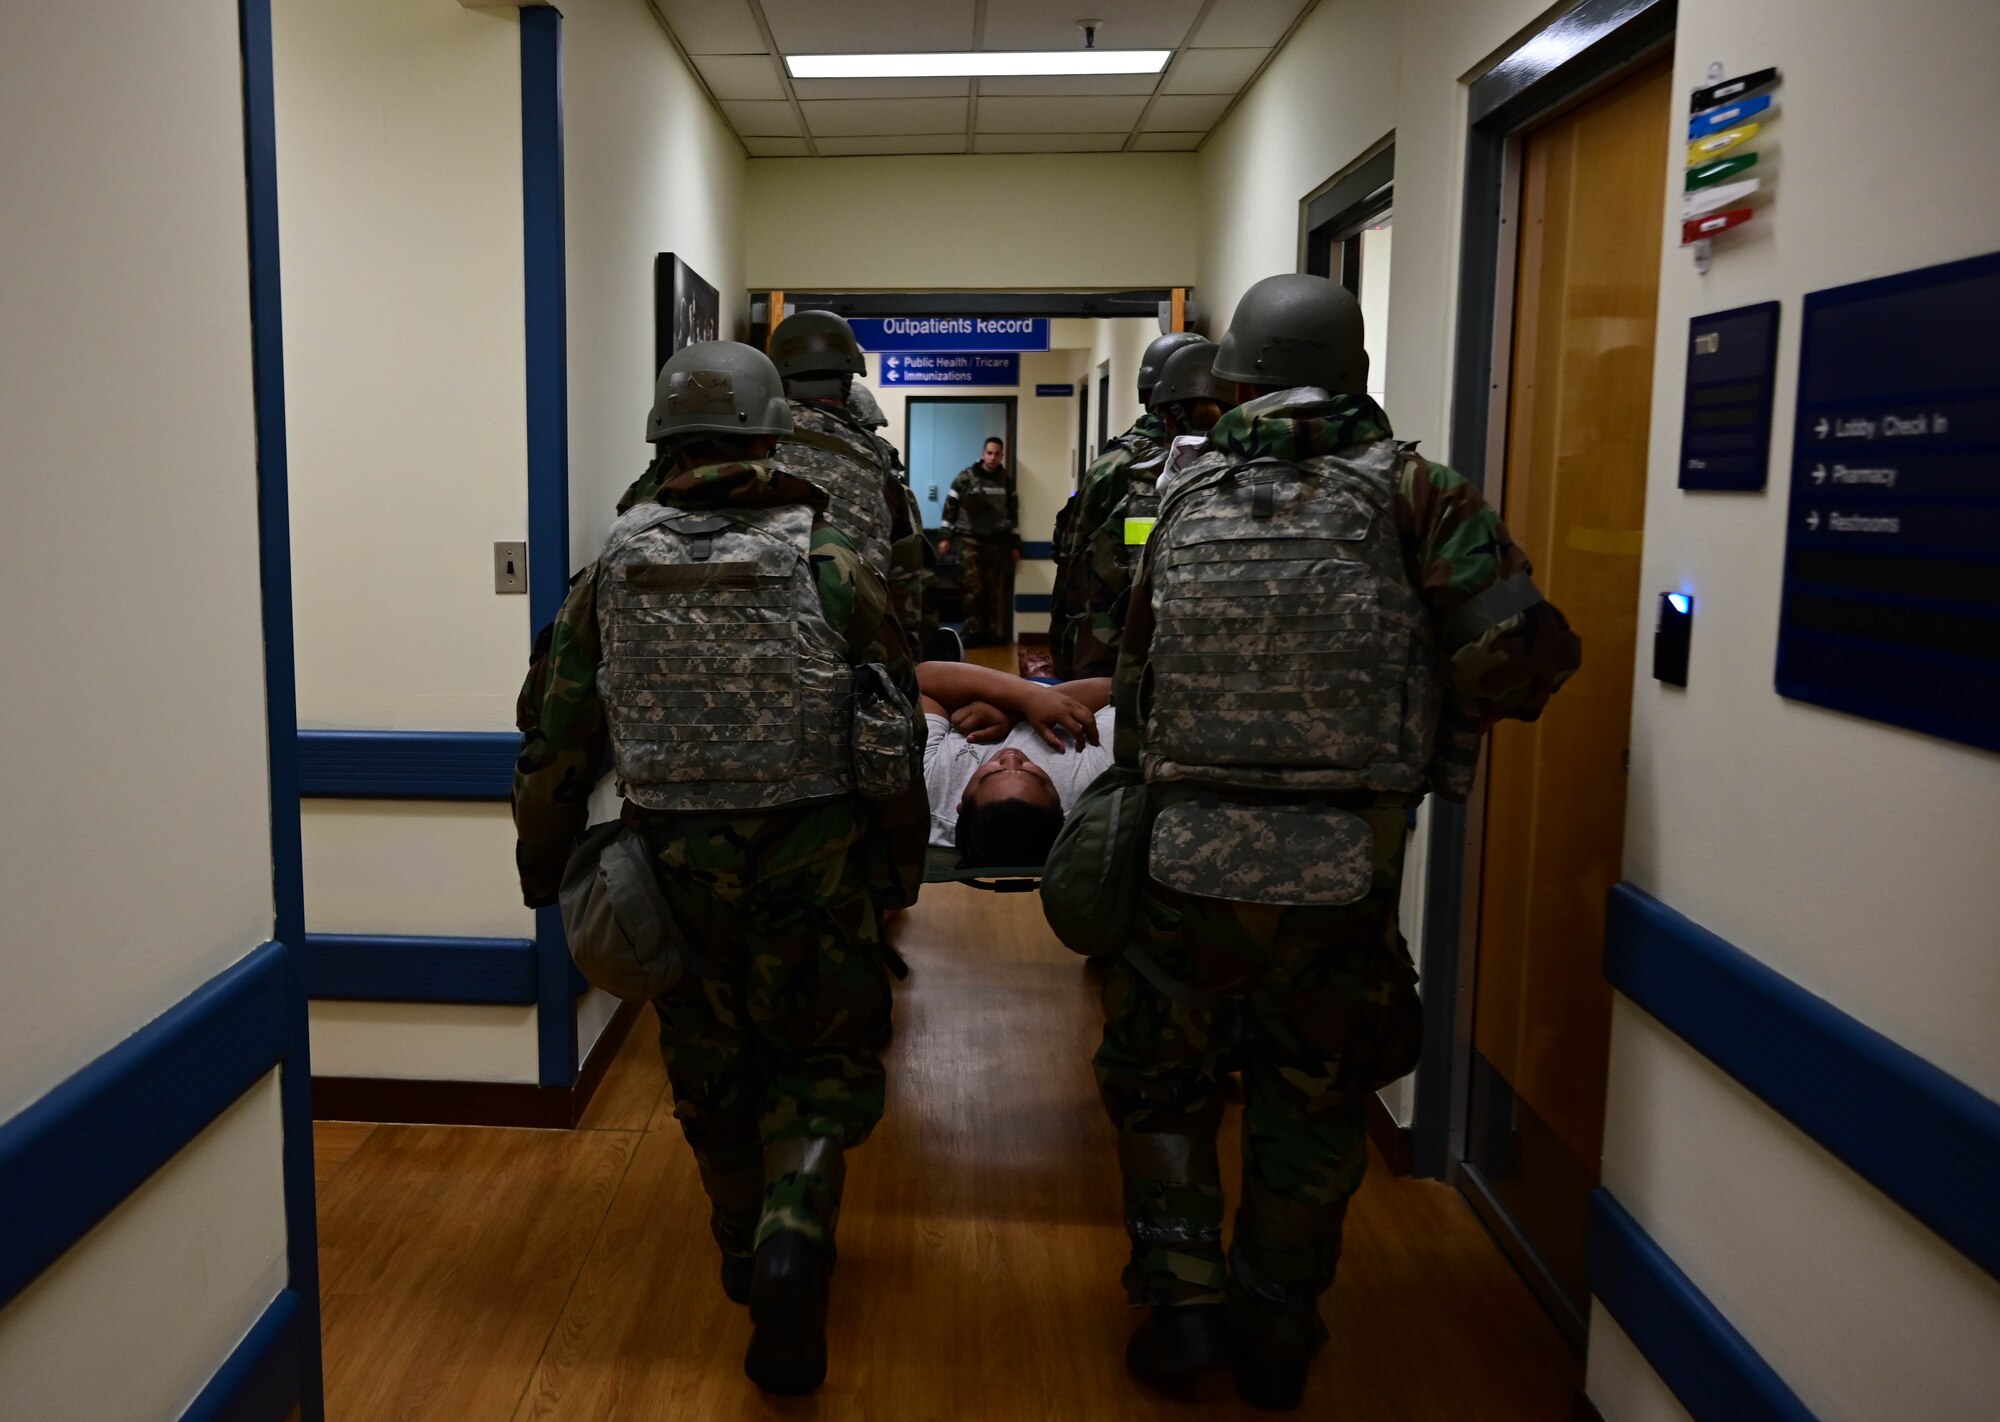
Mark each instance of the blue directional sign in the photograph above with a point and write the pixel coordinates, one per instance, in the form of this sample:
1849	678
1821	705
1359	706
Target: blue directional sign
951	368
952	333
1892	554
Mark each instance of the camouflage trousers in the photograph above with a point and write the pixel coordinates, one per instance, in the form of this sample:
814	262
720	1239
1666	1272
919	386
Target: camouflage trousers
1320	1007
773	1040
986	576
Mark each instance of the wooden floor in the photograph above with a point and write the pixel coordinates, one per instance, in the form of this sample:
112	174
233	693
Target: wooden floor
498	1276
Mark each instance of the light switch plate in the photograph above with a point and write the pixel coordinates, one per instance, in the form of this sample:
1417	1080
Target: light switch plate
510	567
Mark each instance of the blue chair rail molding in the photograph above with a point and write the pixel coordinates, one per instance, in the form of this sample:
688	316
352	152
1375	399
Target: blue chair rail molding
1925	1139
73	1156
382	968
1709	1366
260	1381
408	765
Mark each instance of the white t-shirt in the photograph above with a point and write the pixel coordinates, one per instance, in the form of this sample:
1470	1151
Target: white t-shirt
950	760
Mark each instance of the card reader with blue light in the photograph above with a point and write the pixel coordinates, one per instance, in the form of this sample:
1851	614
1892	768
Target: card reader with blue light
1671	638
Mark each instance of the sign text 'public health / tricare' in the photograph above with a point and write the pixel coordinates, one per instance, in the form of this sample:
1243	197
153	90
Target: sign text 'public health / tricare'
953	333
951	368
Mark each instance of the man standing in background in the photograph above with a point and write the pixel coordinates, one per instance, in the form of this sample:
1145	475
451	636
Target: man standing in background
982	514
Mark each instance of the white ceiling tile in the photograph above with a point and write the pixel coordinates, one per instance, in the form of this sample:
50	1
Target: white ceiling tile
1212	71
741	76
1072	115
878	116
1255	23
714	26
1183	113
778	147
1167	142
761	118
892	143
1126	24
881	88
1048	142
1031	84
869	26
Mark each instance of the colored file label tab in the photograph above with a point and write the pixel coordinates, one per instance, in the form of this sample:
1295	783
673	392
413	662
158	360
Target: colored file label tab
1138	530
1702	203
1703	124
1717	144
1697	228
1727	89
1707	175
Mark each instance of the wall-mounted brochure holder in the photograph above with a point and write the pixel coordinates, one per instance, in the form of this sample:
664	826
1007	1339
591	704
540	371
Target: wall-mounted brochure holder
1724	115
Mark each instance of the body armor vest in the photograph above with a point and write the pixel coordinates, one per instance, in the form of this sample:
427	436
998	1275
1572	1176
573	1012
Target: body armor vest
847	463
725	688
982	508
1290	651
1132	518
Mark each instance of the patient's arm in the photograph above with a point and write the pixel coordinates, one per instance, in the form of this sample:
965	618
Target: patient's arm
1054	712
1093	691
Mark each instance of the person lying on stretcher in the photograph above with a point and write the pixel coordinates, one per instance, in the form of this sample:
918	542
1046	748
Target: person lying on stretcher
1007	757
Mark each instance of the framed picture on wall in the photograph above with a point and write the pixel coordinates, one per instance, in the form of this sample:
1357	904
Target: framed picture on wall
686	309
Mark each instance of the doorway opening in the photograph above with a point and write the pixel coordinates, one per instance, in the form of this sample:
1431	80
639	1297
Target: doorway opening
944	434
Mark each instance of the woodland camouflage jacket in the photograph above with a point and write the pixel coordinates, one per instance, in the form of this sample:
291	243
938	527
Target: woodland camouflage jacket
1088	587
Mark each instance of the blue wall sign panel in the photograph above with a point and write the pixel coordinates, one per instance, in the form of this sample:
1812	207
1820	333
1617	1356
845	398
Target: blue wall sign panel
952	333
1731	375
951	368
1892	554
1055	392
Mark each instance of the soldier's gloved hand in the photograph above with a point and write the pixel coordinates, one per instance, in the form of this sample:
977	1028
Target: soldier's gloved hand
981	722
1059	719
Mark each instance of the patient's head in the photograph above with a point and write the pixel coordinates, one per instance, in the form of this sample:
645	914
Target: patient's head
1009	814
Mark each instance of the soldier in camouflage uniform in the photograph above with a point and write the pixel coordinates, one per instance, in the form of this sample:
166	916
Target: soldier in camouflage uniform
1321	624
1081	642
912	560
982	515
740	780
1187	402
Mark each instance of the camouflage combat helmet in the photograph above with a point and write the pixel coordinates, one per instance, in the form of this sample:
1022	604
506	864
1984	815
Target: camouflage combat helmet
1189	375
1295	330
718	388
1155	359
816	351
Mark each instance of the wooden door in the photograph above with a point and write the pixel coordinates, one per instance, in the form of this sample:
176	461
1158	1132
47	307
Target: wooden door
1593	185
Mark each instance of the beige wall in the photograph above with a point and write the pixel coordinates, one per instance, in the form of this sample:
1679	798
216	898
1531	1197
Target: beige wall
1058	221
650	167
399	155
138	856
1854	858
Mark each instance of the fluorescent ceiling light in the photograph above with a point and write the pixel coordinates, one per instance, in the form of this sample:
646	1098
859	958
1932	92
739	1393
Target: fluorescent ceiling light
977	65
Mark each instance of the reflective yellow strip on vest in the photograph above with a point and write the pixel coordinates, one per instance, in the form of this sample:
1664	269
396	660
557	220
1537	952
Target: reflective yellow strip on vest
1138	530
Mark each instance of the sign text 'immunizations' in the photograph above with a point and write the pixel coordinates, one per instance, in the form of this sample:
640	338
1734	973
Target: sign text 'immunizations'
952	333
951	368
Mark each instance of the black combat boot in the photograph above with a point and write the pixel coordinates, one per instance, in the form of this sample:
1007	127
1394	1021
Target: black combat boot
803	1180
738	1270
788	1311
1171	1345
1274	1386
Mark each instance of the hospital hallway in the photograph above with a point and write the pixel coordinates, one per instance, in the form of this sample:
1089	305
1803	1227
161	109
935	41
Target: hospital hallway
485	1275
